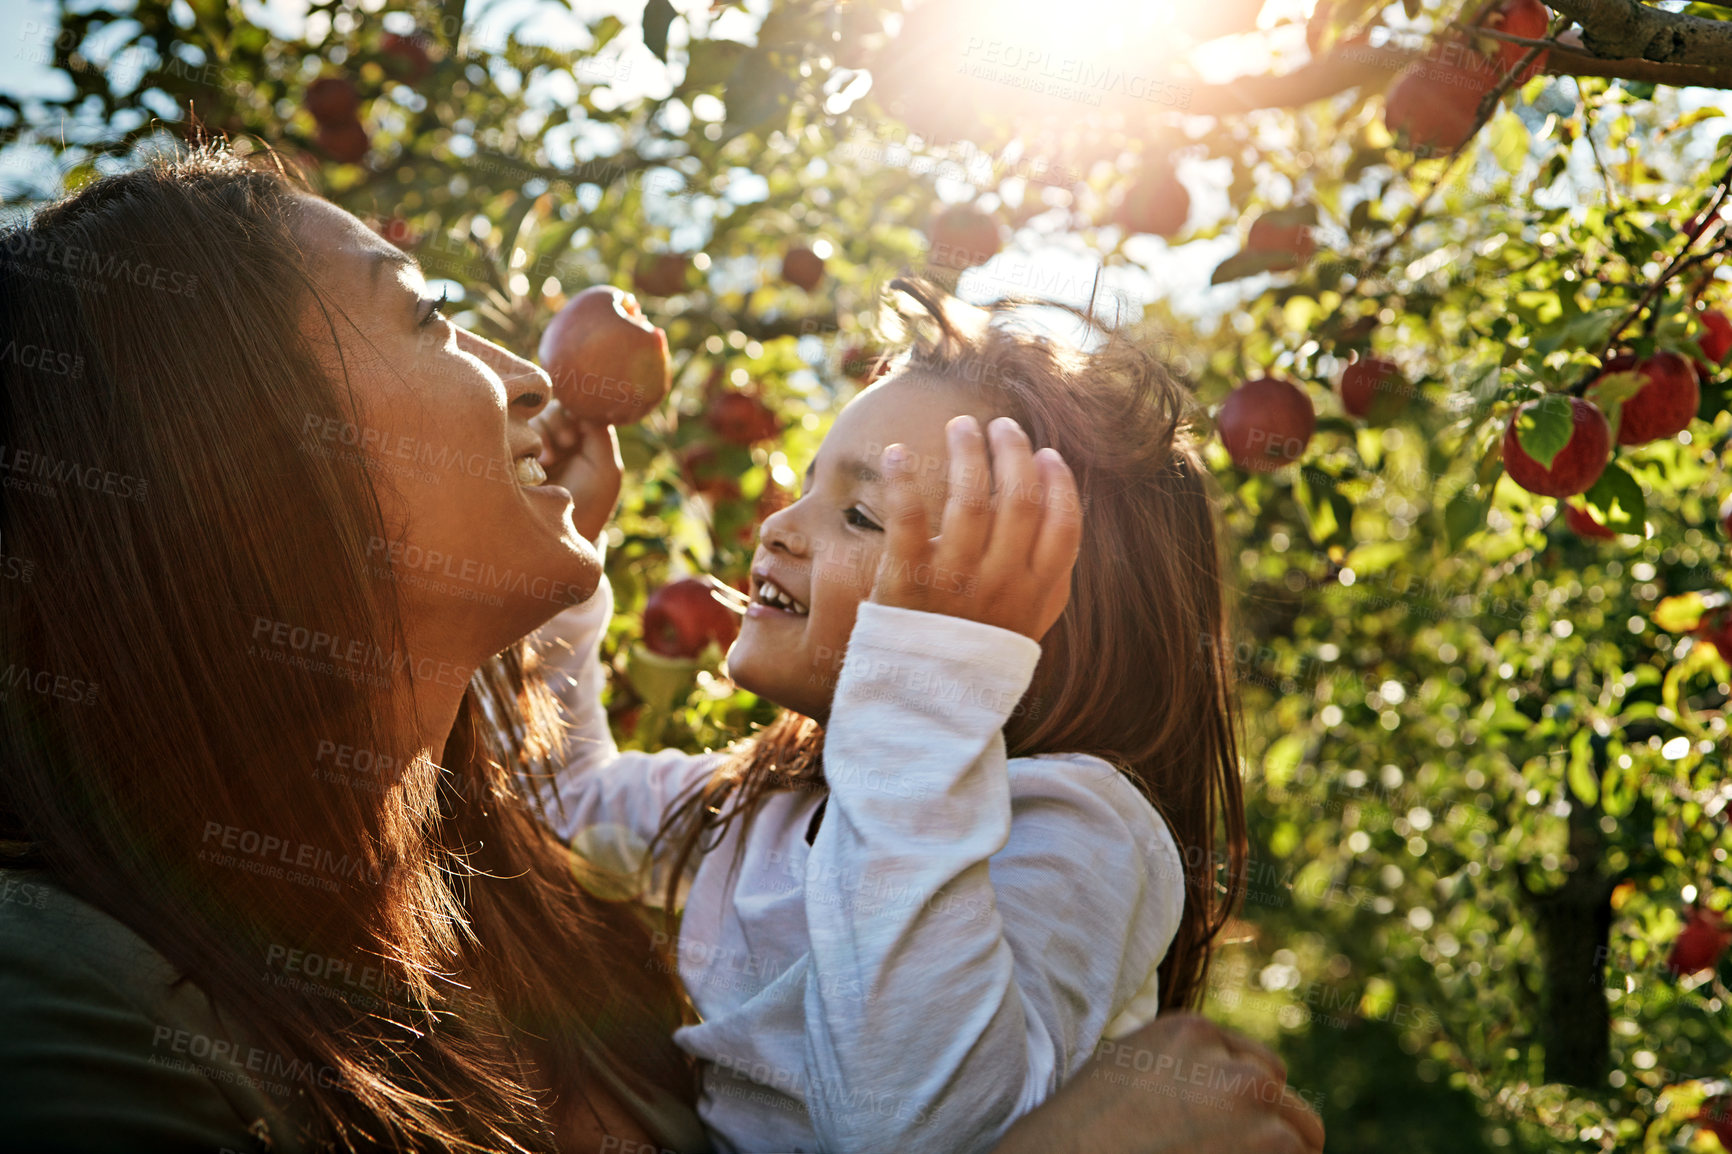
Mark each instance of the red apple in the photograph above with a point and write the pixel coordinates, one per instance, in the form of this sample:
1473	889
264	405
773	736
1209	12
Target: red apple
1716	629
1579	519
1434	102
332	100
704	472
405	57
1156	204
862	363
1270	235
741	419
683	617
1373	381
397	231
1717	341
1265	424
1578	464
962	236
346	142
1701	944
802	268
1525	18
607	361
1715	1116
1665	405
661	275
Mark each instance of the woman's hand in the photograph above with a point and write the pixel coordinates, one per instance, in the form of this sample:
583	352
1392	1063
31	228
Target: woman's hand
1180	1085
584	457
1008	539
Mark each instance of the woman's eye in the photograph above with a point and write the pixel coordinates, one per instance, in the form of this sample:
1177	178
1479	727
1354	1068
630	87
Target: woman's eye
860	520
438	309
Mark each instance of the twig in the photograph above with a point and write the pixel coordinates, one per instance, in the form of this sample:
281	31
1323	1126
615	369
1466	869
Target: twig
1487	103
1599	162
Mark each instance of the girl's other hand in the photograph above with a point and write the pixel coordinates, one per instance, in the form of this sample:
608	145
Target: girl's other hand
1008	539
583	457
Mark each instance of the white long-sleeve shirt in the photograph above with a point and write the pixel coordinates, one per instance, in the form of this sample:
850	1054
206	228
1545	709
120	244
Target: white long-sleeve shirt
956	939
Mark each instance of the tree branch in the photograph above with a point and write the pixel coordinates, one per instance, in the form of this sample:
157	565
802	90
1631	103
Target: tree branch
1627	29
1348	66
1567	61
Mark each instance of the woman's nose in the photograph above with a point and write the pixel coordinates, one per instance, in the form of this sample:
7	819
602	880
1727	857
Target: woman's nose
528	388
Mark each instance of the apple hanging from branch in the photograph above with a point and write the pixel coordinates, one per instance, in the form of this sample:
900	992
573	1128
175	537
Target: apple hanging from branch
1557	446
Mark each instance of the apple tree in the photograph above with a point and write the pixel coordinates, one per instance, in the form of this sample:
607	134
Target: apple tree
1462	350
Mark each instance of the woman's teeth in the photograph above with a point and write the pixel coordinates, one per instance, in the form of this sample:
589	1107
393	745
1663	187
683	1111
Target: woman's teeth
530	472
773	595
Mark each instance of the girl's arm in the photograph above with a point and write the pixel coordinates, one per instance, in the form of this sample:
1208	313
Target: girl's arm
605	803
948	995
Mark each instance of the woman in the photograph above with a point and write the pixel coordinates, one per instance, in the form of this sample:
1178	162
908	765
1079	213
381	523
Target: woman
272	880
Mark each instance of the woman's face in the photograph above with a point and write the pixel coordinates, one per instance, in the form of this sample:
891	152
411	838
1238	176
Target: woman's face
481	549
823	550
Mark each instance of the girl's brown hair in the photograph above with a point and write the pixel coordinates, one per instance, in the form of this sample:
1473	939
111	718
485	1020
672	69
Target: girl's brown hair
183	522
1136	671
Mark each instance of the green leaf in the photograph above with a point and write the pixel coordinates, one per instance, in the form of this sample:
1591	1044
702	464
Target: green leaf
1583	781
1545	427
1245	264
658	17
1681	613
709	62
1282	759
1463	517
1509	141
760	94
1616	500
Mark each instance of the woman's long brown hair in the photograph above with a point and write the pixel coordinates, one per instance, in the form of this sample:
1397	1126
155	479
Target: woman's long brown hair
176	512
1136	671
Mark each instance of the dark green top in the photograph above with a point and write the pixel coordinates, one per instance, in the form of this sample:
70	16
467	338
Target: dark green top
101	1049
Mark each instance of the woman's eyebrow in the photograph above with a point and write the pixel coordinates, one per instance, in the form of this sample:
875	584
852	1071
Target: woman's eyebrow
393	258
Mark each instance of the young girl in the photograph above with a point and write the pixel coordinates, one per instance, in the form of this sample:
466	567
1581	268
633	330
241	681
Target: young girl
981	837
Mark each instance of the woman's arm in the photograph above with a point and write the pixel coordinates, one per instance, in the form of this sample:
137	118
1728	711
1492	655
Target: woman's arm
606	803
1147	1094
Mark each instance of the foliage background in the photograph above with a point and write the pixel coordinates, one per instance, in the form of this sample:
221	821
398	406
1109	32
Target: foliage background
1471	745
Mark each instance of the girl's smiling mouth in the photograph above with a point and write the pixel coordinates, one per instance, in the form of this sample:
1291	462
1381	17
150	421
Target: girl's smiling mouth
769	597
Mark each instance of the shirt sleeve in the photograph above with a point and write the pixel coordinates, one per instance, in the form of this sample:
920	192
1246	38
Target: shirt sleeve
605	804
950	993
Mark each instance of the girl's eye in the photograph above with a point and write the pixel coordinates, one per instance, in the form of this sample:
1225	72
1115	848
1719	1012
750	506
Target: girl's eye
438	305
860	520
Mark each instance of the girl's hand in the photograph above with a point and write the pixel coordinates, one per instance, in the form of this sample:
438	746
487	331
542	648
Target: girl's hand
1004	552
584	457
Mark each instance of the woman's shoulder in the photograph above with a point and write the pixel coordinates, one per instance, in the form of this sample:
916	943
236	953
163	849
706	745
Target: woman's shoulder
104	1047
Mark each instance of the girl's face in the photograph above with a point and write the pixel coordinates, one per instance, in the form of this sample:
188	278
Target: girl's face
481	551
822	551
